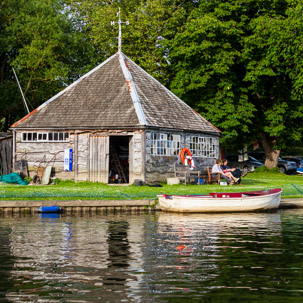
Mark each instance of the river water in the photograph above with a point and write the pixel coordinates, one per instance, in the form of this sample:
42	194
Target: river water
253	257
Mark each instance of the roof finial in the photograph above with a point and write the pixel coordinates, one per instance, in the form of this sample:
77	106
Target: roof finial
120	30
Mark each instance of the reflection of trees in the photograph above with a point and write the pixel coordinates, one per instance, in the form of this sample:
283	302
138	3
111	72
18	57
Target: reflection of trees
6	262
248	250
181	246
207	254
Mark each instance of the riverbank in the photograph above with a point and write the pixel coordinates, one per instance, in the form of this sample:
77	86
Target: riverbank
81	206
292	187
104	206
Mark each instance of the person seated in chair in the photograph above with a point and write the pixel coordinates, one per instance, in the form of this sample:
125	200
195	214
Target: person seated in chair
236	172
228	176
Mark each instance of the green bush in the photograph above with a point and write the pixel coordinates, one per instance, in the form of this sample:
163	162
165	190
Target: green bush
264	169
292	151
64	182
275	170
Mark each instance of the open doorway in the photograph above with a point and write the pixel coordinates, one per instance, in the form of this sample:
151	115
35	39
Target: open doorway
119	159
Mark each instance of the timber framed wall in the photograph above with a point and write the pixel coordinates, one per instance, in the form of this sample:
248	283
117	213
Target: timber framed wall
90	154
152	153
38	153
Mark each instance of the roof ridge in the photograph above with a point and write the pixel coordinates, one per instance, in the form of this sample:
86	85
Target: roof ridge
132	89
171	94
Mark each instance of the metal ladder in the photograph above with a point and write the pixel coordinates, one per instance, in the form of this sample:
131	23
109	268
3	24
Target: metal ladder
118	165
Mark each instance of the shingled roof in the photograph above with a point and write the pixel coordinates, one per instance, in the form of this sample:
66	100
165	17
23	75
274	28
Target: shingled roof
115	94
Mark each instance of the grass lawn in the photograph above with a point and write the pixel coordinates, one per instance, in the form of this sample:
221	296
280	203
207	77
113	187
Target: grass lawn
68	190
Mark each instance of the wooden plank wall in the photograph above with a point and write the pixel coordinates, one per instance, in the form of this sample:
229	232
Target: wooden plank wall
98	158
90	155
44	153
6	155
136	159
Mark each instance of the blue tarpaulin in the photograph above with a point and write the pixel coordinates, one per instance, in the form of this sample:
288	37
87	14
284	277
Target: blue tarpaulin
13	178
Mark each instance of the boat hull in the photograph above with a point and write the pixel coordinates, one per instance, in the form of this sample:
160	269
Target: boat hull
222	204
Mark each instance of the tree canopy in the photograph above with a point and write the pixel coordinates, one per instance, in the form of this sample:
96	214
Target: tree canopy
46	48
238	63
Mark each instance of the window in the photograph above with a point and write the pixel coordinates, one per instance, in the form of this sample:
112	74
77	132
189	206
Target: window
45	137
204	146
173	144
168	144
42	137
165	144
158	146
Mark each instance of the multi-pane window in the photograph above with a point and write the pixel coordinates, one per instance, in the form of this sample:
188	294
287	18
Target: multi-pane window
204	146
163	144
167	144
173	144
45	137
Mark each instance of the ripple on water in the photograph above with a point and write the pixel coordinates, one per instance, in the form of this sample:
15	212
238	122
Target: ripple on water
153	257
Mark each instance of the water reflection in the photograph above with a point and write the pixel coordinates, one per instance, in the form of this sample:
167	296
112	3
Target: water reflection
118	245
147	258
7	261
74	255
198	248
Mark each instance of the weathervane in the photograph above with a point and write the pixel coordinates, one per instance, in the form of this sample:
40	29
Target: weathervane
120	30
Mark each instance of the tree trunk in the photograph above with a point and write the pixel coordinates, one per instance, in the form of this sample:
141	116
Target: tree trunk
3	64
271	154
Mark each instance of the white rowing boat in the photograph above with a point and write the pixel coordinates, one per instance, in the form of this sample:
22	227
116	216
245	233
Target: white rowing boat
222	202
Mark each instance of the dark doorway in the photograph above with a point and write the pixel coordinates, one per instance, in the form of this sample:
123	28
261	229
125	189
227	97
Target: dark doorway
119	159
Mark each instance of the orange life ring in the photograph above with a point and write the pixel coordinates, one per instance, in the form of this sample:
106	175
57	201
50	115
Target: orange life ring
184	152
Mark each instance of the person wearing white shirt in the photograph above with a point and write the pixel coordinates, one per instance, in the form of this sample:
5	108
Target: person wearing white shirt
216	169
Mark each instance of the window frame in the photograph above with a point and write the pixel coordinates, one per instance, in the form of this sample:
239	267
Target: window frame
45	137
204	146
165	144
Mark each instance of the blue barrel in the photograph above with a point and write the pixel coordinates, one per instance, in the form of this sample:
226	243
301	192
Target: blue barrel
201	181
49	209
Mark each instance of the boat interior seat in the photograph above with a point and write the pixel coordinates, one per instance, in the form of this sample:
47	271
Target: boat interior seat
226	195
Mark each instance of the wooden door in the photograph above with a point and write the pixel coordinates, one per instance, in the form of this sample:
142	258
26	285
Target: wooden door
99	158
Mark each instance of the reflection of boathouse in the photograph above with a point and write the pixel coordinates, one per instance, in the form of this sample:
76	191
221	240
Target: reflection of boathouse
120	123
75	257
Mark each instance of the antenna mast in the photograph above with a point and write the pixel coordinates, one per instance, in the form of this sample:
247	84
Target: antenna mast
23	98
120	29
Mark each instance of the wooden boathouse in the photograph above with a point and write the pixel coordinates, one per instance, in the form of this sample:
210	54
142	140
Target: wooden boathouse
118	124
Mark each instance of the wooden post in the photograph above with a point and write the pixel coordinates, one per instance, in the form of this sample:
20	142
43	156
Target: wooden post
76	158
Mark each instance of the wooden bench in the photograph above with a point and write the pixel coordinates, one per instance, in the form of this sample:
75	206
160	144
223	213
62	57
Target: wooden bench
185	174
212	178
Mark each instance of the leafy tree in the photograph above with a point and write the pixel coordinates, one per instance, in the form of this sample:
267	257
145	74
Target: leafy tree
40	39
151	22
238	64
275	76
